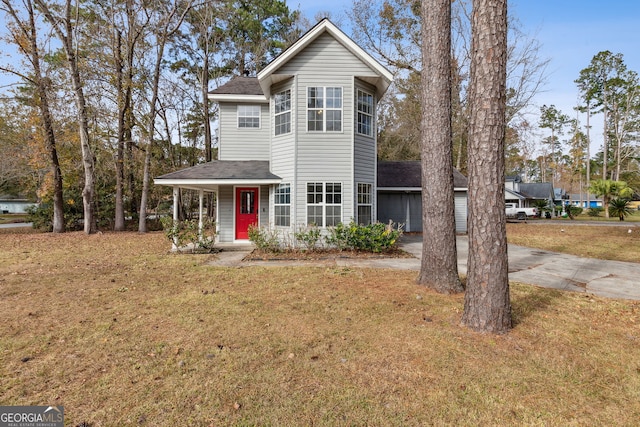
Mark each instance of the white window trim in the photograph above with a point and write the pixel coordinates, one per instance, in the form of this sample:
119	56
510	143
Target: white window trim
324	203
290	111
372	114
358	204
325	109
275	203
238	116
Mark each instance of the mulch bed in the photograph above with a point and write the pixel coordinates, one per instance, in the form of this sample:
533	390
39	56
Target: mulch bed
321	255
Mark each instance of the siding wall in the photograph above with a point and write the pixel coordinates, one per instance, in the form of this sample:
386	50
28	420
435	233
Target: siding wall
240	143
364	152
324	157
225	214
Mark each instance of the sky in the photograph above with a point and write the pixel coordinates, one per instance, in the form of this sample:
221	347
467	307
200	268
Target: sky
570	33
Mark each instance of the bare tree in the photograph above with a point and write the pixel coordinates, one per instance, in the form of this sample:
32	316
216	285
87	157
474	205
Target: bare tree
487	307
25	36
166	24
439	265
63	26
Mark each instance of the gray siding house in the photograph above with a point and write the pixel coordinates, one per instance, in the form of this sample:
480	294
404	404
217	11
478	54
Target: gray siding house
526	194
297	143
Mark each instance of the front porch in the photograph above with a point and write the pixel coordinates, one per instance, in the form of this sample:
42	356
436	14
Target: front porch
241	191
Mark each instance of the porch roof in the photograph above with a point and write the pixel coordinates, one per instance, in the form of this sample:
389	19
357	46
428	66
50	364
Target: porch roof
220	172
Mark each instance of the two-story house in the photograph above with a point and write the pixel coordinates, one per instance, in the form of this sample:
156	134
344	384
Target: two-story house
297	143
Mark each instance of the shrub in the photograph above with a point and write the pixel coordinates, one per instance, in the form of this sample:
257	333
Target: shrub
41	216
310	238
575	210
376	237
594	212
186	233
264	238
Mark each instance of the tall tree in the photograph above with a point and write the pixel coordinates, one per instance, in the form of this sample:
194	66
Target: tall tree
256	32
390	29
198	48
25	36
439	264
64	26
121	26
487	306
553	119
165	23
596	84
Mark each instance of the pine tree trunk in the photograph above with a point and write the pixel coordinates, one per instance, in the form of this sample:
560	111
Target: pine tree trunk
487	306
439	264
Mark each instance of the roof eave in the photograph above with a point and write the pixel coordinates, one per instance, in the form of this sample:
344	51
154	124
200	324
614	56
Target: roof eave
176	182
223	97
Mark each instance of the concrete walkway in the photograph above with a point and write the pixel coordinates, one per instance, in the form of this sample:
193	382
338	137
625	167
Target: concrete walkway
612	279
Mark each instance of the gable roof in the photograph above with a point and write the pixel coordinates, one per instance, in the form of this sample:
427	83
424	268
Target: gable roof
408	175
537	190
268	75
239	89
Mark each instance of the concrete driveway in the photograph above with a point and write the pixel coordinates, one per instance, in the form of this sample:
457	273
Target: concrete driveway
612	279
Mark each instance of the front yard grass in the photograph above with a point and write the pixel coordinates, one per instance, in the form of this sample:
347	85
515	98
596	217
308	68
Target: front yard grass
122	332
608	242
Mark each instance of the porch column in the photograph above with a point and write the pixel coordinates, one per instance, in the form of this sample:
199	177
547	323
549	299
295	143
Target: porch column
408	217
200	213
176	193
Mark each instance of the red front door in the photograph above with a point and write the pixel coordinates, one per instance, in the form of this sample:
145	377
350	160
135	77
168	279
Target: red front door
246	210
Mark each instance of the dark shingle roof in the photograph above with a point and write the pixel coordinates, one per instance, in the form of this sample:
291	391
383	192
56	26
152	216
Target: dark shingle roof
239	86
408	174
225	169
536	190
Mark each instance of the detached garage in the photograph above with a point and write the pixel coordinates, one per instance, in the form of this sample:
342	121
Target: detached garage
400	195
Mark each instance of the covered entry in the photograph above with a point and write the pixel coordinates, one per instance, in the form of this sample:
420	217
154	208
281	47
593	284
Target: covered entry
242	193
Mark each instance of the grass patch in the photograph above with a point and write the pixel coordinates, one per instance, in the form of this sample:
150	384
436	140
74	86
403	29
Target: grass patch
122	332
12	218
601	242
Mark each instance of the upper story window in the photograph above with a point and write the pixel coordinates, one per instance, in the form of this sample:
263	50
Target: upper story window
249	116
324	109
282	111
364	125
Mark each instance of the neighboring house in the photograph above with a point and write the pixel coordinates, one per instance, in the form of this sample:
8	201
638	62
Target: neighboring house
14	205
400	195
525	194
580	200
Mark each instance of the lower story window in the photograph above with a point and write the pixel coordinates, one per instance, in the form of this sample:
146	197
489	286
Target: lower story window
282	205
365	205
324	203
